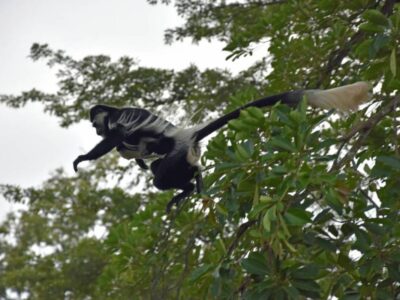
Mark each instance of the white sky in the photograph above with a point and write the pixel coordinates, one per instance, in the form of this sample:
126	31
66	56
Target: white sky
32	143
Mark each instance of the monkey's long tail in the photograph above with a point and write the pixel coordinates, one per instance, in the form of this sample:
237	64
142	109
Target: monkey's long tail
344	98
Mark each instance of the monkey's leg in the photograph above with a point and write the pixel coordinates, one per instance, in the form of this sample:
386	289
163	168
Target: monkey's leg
174	172
199	182
155	165
178	198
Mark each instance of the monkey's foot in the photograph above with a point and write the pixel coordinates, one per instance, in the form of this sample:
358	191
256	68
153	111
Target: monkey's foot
178	198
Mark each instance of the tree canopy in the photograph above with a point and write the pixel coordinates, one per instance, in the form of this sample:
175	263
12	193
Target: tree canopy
298	203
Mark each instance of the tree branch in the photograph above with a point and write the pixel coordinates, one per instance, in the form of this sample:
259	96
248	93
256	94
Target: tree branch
242	229
363	129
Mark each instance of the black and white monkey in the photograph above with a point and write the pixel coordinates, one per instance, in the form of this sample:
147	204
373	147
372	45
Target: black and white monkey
138	134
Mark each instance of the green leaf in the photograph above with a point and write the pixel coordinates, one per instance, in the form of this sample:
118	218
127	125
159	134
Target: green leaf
376	17
220	246
380	41
269	216
332	199
351	295
200	272
394	84
325	244
239	125
282	143
323	216
260	291
375	70
241	153
345	262
375	228
363	240
286	231
246	117
363	49
297	217
390	161
306	285
393	62
256	112
306	272
267	223
347	229
394	272
327	4
280	169
259	207
256	263
371	28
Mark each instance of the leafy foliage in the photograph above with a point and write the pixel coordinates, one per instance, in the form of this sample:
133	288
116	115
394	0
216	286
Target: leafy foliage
299	203
97	79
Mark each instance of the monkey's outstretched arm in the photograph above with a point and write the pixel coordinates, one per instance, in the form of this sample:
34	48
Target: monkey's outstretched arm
102	148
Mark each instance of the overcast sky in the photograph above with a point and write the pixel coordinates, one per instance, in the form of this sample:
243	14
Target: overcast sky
32	143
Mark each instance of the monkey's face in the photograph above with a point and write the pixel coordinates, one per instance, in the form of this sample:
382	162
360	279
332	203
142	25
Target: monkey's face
99	122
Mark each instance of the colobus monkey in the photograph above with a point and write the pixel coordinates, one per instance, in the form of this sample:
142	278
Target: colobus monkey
138	134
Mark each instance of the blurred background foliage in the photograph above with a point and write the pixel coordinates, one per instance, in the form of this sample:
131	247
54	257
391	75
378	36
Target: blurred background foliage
299	204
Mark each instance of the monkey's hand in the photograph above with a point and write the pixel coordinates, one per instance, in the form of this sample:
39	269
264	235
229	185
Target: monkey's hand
79	159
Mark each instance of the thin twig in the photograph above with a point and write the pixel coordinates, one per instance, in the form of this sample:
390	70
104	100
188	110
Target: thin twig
189	248
364	129
365	194
241	230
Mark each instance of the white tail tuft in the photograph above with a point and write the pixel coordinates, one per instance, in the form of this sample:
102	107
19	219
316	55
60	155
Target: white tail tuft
343	98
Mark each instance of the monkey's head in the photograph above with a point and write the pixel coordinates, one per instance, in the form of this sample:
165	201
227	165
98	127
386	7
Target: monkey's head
99	116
